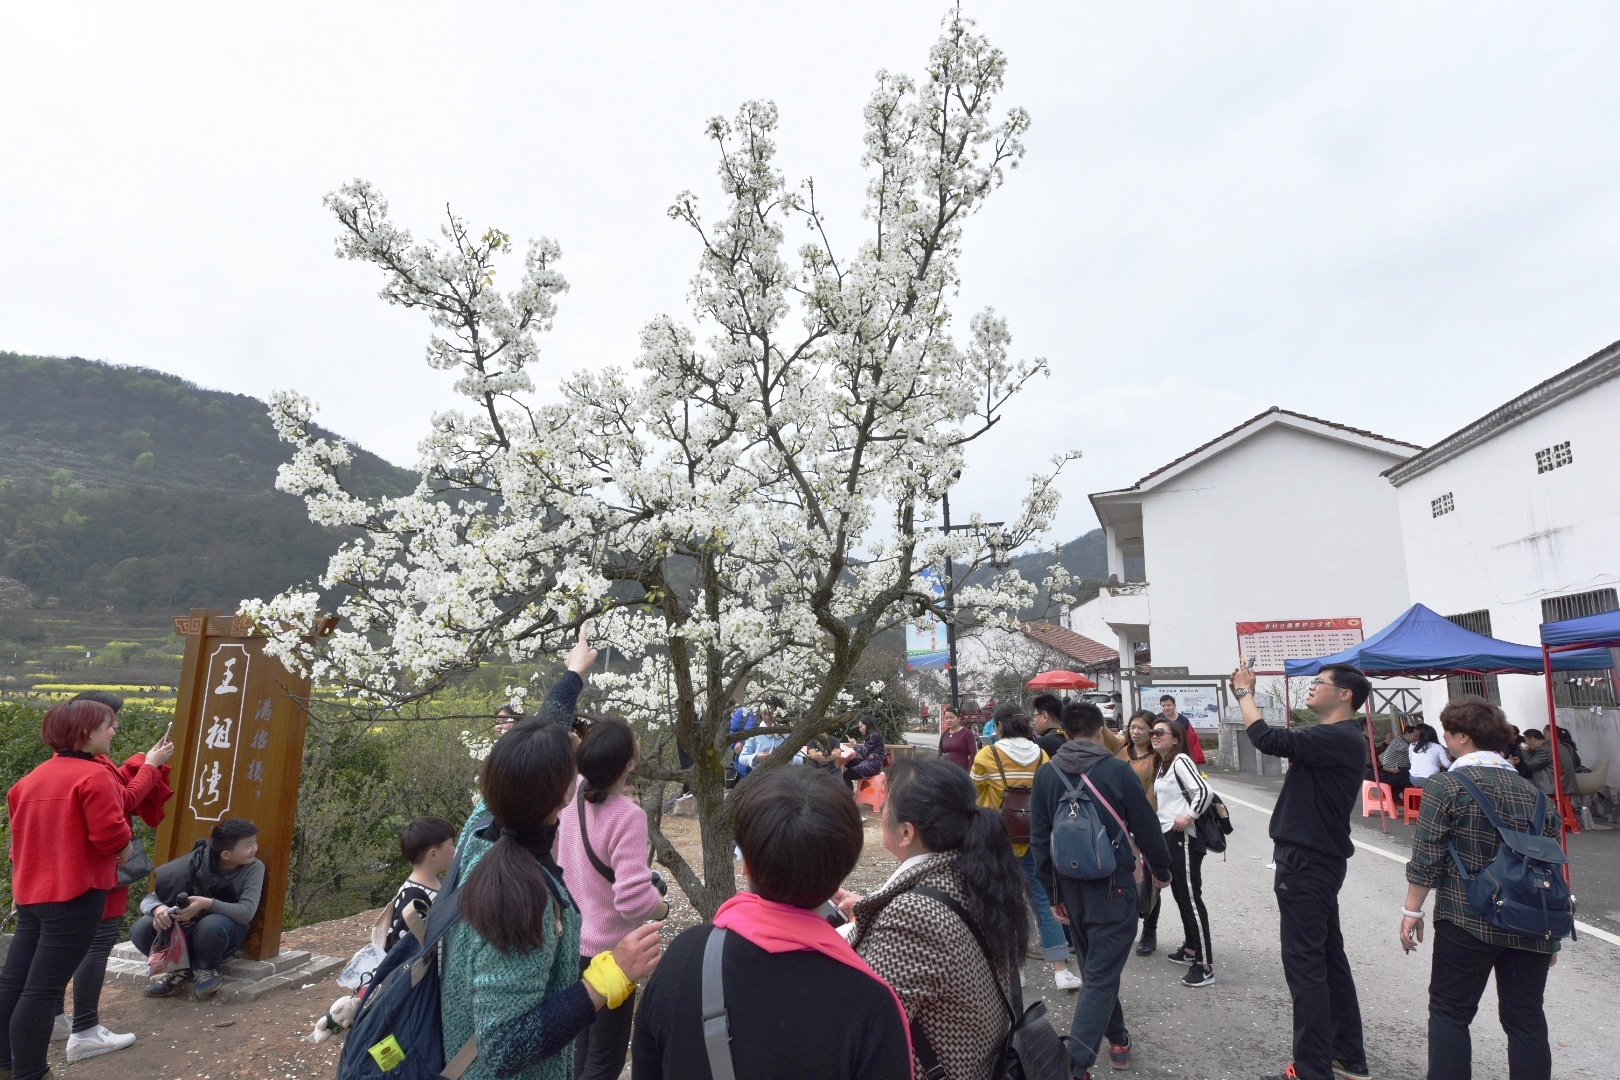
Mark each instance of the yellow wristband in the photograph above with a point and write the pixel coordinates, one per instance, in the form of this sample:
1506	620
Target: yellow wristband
608	979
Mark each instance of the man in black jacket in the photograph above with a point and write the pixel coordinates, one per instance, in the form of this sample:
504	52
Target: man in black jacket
1101	915
1310	826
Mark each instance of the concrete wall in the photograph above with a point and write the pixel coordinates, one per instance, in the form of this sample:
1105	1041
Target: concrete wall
1285	525
1516	537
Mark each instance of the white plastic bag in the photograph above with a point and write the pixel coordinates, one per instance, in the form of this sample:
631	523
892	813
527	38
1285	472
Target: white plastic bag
360	967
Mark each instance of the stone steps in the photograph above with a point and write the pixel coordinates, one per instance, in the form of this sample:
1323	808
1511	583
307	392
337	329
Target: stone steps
245	980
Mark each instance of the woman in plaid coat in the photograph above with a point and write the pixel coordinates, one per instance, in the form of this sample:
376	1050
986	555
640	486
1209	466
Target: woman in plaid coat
1467	949
956	866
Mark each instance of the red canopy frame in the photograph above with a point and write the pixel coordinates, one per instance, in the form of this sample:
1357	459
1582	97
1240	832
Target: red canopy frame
1552	723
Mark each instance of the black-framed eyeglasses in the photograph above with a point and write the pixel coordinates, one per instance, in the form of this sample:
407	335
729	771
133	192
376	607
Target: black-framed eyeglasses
1325	682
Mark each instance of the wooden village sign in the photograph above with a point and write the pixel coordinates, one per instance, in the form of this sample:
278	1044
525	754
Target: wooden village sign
239	722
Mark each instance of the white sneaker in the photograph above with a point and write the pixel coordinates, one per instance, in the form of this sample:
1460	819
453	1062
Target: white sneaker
63	1028
1066	979
95	1042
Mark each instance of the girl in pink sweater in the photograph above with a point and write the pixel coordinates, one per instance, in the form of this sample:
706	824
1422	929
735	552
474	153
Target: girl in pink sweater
602	848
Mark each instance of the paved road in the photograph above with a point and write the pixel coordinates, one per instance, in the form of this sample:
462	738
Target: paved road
1240	1027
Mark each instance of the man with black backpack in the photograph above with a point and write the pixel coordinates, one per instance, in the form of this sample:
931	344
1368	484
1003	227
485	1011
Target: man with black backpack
1091	827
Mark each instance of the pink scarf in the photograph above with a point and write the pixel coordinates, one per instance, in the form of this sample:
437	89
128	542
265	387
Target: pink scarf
780	928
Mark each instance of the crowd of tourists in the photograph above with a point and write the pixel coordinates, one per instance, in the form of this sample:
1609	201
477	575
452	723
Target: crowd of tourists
541	915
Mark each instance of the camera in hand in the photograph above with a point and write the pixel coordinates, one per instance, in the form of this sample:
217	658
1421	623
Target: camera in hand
660	884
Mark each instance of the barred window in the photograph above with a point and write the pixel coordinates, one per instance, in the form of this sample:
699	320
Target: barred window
1485	686
1442	505
1554	457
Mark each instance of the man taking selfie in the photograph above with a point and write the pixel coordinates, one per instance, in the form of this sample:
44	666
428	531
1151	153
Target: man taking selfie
1310	826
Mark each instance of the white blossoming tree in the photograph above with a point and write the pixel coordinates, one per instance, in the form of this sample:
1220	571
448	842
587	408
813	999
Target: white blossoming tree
744	510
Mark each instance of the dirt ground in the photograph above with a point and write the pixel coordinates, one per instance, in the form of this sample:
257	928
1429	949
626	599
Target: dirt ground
181	1040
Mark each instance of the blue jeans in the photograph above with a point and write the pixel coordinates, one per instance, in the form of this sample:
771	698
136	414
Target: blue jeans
1102	919
1054	939
211	939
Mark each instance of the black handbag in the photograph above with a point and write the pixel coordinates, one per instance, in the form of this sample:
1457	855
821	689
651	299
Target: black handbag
138	865
1031	1049
1214	825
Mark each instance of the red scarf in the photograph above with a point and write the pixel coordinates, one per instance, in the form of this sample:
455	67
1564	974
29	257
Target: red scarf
780	928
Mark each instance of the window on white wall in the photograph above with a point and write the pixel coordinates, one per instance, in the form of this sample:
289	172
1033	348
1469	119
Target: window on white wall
1581	689
1484	686
1442	505
1554	457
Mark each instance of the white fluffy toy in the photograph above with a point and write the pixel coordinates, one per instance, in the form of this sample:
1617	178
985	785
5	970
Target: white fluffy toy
336	1019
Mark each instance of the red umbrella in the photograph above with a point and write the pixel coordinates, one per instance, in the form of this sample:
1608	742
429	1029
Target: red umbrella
1061	680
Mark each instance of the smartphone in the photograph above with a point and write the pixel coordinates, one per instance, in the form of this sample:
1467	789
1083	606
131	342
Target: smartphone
167	730
830	912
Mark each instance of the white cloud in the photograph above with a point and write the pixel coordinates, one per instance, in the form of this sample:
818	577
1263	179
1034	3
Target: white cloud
1393	216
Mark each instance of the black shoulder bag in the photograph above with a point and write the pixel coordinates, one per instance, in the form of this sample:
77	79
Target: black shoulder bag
1031	1049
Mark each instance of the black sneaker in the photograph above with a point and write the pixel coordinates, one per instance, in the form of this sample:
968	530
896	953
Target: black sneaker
1358	1071
1146	947
1199	975
166	984
1182	956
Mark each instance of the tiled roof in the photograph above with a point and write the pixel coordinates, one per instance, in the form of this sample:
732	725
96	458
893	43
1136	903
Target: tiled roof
1078	646
1274	409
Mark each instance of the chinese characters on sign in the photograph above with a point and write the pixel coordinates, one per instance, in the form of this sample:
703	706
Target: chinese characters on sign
1269	645
223	706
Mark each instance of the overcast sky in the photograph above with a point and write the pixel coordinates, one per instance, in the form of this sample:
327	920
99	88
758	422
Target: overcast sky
1390	215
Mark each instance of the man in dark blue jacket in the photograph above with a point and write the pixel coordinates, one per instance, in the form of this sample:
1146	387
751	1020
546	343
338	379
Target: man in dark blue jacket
1101	915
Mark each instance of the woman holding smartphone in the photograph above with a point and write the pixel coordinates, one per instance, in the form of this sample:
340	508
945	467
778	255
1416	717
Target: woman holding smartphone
1182	796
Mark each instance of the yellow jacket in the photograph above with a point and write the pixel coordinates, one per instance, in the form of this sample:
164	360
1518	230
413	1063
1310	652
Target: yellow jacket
987	776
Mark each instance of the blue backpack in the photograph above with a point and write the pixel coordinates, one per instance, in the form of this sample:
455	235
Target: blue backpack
1081	846
398	1033
1522	890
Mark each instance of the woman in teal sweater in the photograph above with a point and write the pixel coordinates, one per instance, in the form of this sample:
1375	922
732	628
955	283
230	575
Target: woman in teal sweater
511	975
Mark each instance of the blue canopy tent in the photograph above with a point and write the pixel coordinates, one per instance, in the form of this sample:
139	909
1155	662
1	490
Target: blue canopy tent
1422	644
1586	637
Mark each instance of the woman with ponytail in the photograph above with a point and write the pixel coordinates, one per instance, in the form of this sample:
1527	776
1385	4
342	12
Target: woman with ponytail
949	847
602	848
511	974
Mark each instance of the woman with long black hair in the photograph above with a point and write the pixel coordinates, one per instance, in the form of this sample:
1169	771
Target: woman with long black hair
866	760
956	867
511	972
1182	796
602	848
1426	755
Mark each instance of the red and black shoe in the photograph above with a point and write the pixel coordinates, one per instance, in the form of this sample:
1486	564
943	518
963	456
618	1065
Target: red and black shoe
1290	1073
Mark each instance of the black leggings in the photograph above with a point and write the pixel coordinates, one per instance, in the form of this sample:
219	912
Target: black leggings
92	972
1187	886
599	1049
51	940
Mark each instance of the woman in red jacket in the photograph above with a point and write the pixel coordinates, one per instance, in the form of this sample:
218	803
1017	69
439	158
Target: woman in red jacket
144	782
68	833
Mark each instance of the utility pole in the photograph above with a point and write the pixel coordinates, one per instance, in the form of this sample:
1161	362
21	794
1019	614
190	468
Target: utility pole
950	593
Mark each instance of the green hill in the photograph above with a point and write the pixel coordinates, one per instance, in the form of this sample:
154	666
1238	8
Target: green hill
128	490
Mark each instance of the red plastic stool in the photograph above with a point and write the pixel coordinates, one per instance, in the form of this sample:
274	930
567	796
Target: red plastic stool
874	792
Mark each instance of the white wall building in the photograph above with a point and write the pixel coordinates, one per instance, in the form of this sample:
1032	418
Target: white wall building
1515	519
1284	517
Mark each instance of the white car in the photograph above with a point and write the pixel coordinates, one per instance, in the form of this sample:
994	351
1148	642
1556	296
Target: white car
1104	701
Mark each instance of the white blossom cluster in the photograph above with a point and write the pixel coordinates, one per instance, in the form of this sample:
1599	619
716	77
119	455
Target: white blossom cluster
747	505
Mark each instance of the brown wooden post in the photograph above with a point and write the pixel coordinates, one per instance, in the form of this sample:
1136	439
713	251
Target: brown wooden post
239	743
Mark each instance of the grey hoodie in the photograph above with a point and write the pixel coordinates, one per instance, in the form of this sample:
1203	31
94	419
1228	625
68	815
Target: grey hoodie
1122	788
